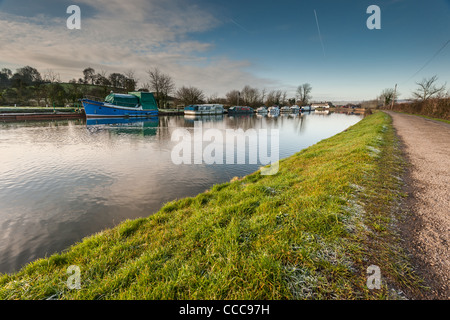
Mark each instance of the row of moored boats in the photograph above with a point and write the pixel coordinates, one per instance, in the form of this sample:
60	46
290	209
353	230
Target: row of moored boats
138	104
200	109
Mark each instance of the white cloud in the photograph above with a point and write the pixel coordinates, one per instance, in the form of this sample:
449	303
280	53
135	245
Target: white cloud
117	36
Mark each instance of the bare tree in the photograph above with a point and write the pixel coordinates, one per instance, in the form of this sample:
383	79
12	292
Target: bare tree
278	94
51	76
262	96
130	74
273	98
303	93
233	97
161	84
167	88
427	88
283	98
270	100
250	96
213	98
189	95
130	80
388	95
89	75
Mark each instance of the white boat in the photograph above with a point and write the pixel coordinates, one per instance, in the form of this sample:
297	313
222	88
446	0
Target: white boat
308	108
261	110
200	109
285	109
295	109
274	111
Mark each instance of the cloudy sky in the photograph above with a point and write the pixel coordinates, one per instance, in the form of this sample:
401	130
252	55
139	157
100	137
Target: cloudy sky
220	45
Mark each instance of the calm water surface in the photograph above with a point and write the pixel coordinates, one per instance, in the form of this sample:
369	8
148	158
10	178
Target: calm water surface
61	181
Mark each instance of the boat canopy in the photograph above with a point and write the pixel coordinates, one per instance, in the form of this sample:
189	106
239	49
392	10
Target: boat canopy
125	100
146	99
133	99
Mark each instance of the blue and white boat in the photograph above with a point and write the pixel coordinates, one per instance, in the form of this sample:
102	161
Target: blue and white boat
274	111
133	104
295	109
307	108
285	109
201	109
262	109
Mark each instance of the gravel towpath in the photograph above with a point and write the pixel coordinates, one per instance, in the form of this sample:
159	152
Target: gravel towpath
427	230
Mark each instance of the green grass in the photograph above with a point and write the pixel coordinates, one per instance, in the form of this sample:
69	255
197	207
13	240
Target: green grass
308	232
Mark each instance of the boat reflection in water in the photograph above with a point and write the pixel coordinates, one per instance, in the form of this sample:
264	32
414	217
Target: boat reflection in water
192	118
135	126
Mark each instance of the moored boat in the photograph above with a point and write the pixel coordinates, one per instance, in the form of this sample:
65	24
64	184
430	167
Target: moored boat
261	110
274	111
240	110
285	109
200	109
133	104
307	108
295	109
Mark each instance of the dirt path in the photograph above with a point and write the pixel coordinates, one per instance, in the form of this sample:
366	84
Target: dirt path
427	230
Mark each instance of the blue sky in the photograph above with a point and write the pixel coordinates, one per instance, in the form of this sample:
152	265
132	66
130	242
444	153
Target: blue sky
222	45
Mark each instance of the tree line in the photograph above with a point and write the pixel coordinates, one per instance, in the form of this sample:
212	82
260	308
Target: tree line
165	90
426	89
27	86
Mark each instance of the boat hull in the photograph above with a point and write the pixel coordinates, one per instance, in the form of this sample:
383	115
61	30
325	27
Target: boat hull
95	109
240	112
199	113
307	108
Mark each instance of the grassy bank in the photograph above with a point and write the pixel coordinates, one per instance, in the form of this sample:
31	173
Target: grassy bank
308	232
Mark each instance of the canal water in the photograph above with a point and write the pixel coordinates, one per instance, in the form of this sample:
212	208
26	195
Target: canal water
61	181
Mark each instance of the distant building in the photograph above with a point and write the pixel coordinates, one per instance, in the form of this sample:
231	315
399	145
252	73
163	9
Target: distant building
325	105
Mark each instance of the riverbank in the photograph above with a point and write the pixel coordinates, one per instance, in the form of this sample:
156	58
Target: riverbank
308	232
8	114
40	113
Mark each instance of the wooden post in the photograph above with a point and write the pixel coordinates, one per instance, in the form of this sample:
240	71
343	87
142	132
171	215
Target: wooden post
393	98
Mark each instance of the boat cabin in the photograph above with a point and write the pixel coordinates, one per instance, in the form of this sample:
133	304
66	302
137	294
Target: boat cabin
133	100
